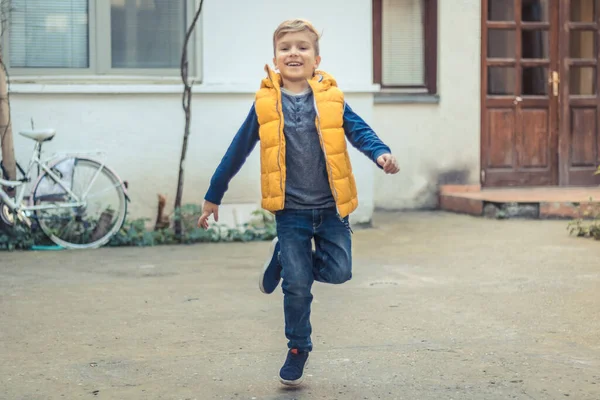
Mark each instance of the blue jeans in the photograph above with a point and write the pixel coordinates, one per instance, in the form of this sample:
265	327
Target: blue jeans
331	262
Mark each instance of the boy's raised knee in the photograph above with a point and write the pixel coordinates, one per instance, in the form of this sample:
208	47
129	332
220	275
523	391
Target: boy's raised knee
337	274
343	277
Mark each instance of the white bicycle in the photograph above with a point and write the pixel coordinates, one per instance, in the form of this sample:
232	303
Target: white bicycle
78	202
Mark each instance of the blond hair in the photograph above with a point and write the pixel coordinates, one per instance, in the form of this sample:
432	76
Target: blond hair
296	25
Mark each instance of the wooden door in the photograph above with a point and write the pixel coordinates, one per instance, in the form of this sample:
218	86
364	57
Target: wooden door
519	118
579	135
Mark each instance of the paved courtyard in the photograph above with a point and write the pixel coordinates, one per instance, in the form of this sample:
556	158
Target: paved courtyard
441	306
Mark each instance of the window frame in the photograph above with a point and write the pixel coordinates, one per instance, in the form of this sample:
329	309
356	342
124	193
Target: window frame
99	50
430	26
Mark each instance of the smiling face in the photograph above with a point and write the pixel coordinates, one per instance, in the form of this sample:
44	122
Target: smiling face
296	56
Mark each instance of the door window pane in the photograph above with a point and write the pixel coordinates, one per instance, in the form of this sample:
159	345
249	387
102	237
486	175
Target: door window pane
535	44
583	10
501	43
582	44
147	33
582	80
501	80
49	34
534	10
535	81
501	10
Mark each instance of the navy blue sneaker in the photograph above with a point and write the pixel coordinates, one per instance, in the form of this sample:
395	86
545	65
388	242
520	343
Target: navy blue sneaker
271	274
292	372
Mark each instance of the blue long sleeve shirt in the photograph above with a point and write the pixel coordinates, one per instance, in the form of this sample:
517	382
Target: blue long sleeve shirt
358	132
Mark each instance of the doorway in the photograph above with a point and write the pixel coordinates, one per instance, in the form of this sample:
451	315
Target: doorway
540	103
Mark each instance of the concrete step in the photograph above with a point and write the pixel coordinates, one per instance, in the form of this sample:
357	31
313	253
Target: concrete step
530	202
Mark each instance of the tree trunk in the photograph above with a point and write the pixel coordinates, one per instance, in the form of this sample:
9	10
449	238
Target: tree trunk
6	136
186	100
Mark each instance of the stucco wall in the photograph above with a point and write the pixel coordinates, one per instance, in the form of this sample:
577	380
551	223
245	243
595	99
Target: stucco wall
140	126
437	143
142	136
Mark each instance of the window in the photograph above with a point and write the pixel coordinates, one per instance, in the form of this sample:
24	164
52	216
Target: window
125	37
405	45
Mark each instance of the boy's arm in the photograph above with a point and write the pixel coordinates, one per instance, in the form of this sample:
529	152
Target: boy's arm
362	136
242	145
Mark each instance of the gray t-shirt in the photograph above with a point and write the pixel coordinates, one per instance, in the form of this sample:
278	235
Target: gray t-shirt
307	183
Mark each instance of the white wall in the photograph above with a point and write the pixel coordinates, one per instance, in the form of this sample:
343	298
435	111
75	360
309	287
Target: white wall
437	143
140	126
241	35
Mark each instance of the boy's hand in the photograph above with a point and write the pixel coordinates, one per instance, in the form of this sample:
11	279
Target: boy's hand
388	163
207	209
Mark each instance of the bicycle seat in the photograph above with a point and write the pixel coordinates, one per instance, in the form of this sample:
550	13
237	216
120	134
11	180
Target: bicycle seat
42	135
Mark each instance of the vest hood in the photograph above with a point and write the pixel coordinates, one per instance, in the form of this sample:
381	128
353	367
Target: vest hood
320	81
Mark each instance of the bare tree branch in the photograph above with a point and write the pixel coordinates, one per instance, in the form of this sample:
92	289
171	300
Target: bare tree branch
186	100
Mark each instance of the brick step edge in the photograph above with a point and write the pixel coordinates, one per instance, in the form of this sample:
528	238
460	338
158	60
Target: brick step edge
536	210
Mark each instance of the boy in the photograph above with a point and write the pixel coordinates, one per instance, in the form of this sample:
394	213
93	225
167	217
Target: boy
300	117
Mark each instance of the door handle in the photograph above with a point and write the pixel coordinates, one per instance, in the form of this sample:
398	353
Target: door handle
517	100
554	81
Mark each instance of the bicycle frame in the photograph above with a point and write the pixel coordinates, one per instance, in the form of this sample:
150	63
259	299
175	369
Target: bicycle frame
16	205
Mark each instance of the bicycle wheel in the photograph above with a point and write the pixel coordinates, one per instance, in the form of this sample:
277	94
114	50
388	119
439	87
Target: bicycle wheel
86	226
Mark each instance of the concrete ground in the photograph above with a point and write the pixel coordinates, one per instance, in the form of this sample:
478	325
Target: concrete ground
441	306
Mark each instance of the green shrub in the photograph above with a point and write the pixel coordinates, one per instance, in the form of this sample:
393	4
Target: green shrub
135	232
590	228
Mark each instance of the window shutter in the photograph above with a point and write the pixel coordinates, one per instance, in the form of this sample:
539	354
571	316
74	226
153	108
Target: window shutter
49	34
403	43
147	33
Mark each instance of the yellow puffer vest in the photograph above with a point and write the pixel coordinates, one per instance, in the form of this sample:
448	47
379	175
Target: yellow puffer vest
329	101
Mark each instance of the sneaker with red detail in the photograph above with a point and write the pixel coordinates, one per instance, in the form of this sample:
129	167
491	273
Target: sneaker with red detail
292	372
